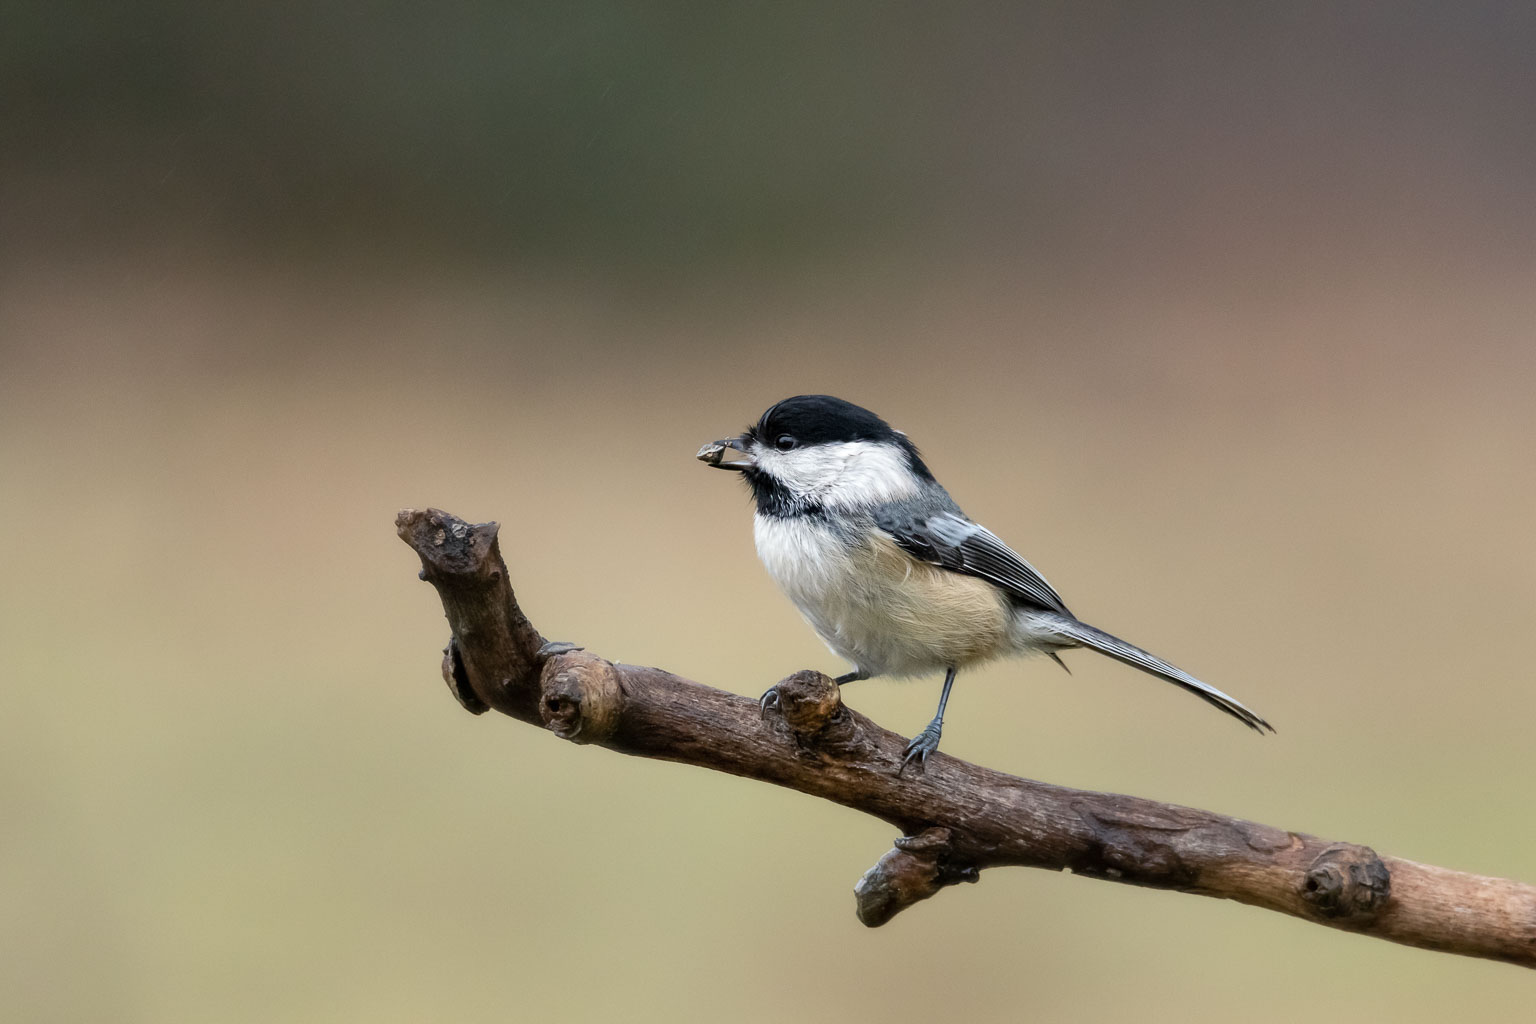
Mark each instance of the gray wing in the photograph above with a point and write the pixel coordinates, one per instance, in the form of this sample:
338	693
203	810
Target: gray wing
952	541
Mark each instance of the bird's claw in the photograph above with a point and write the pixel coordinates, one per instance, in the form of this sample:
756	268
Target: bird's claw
769	701
918	750
552	648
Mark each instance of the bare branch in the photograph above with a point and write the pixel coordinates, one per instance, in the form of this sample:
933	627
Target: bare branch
956	818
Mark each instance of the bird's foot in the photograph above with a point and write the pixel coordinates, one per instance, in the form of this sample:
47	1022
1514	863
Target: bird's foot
769	701
553	648
922	745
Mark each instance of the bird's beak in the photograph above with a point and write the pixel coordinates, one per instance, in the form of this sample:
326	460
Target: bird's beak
713	454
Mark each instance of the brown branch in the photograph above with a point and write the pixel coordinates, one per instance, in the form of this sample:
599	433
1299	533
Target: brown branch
956	818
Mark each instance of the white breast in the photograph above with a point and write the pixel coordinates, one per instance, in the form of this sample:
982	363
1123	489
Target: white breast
806	558
813	565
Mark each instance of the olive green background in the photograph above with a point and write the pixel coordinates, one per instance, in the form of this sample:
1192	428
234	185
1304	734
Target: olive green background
1223	318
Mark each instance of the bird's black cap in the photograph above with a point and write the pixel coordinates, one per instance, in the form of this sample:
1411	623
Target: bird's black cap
825	419
821	419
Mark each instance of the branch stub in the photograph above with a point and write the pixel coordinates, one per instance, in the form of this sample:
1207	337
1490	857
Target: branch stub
913	870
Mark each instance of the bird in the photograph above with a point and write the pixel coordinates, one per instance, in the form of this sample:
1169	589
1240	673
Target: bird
889	571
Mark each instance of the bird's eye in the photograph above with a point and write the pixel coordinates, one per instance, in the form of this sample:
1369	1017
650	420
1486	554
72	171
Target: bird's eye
784	443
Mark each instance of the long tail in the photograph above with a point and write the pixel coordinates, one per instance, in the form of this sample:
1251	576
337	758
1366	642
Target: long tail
1106	643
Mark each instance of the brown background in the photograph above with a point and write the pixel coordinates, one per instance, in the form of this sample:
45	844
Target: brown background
1223	318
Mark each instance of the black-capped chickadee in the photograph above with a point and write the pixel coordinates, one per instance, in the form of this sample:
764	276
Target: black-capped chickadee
886	568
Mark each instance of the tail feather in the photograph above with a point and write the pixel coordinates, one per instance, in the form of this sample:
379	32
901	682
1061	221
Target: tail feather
1107	643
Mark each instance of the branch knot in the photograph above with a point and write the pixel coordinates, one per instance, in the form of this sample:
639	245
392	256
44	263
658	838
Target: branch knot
1347	882
457	678
810	704
579	697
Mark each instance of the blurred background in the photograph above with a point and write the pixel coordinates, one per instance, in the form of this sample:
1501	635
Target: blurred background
1222	316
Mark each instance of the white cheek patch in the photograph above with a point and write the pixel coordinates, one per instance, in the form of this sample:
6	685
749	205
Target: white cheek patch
842	475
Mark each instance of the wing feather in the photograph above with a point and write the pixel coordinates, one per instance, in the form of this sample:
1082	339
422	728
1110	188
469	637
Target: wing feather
954	542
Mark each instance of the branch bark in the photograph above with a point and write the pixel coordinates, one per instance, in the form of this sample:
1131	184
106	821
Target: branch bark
956	818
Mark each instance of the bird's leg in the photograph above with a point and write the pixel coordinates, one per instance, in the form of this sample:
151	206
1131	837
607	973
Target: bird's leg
770	700
927	741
